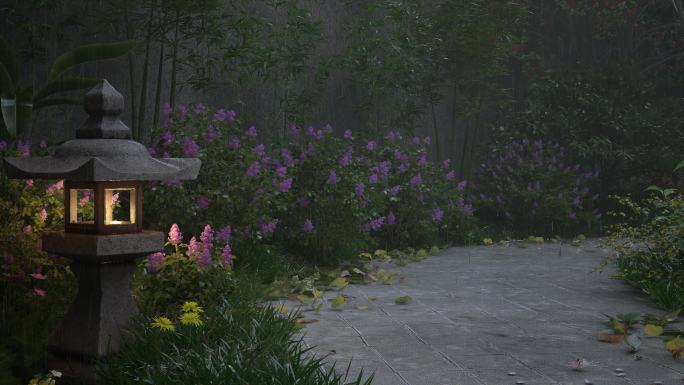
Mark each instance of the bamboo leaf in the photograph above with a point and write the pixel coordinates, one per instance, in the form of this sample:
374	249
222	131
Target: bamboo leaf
55	102
8	60
680	166
88	53
65	85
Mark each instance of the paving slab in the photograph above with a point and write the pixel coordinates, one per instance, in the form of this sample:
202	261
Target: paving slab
492	315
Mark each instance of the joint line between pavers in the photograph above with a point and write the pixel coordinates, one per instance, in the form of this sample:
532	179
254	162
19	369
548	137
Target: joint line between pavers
663	365
377	353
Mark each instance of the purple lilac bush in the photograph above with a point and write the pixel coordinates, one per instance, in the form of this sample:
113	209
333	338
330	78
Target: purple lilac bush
527	187
312	194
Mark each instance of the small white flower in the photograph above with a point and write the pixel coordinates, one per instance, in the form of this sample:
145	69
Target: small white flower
579	364
56	373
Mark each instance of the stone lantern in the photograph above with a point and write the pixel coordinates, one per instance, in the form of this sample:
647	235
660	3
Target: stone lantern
104	173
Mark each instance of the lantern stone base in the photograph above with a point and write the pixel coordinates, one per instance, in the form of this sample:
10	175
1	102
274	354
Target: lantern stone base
104	267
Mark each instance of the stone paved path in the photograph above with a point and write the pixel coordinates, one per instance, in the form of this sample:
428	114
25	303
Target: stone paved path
482	312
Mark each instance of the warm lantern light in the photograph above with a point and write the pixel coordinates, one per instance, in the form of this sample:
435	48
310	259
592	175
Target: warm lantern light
103	207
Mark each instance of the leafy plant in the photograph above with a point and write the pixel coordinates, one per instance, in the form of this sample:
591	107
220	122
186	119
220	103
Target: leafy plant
20	101
237	343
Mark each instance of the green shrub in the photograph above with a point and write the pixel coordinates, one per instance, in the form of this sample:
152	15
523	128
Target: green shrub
649	247
529	187
199	271
235	343
35	289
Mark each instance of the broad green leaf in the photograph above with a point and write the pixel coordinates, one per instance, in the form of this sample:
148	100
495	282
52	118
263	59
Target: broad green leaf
372	298
8	61
420	255
487	241
337	302
304	298
382	254
676	347
679	166
386	276
358	271
339	283
282	309
653	330
404	300
57	102
434	250
65	85
88	53
317	293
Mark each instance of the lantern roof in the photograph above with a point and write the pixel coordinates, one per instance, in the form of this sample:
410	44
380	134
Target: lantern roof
102	150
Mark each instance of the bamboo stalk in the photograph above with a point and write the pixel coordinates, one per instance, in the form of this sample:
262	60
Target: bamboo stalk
143	91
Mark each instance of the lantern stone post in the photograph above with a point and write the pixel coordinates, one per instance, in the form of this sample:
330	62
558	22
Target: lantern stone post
104	173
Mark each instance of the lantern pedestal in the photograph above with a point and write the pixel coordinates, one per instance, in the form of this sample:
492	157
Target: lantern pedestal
104	266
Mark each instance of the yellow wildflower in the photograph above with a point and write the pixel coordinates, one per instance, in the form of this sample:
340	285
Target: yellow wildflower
163	324
191	307
191	318
676	347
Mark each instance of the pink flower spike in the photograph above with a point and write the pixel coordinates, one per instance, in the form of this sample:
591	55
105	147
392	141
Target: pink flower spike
175	235
39	292
226	256
27	229
43	214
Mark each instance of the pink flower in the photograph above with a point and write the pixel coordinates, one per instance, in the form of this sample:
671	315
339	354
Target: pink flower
462	185
38	276
168	137
450	175
373	178
234	143
175	235
226	256
193	247
43	214
39	292
281	172
348	135
332	177
43	144
426	140
55	187
253	170
268	227
252	132
223	234
416	140
212	134
395	190
27	229
29	182
155	261
308	226
371	145
205	259
391	136
422	161
207	236
115	198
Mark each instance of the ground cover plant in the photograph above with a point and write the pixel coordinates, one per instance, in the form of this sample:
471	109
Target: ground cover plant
649	246
236	342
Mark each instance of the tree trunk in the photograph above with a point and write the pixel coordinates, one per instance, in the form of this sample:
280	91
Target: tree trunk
143	91
160	70
174	64
438	151
131	75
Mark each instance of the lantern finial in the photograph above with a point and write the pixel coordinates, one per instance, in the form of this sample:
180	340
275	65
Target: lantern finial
104	104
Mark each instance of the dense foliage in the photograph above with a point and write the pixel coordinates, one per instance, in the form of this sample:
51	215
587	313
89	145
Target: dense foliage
235	343
529	187
311	194
650	246
197	271
35	289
